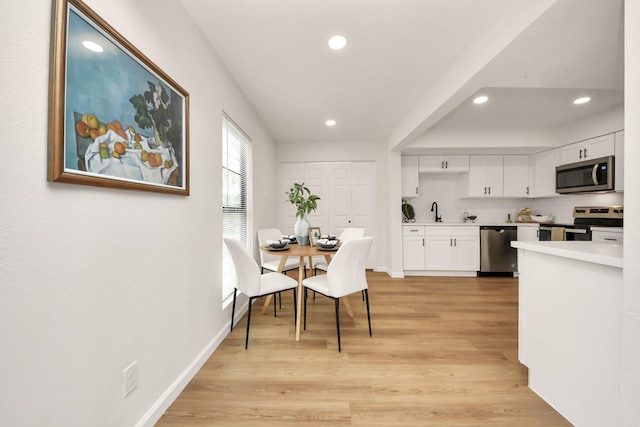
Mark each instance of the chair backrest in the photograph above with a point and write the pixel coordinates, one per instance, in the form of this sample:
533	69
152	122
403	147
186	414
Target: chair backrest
347	271
351	233
268	234
247	270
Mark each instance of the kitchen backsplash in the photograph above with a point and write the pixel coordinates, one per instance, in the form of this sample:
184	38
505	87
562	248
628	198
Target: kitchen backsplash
449	192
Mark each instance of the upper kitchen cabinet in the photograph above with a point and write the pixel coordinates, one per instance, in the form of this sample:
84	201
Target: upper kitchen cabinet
589	149
544	173
485	176
619	162
516	176
444	164
410	176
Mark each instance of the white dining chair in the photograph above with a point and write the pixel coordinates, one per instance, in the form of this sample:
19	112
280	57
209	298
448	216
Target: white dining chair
253	284
346	274
347	233
270	262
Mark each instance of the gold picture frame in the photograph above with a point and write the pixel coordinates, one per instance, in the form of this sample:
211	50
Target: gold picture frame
314	235
115	118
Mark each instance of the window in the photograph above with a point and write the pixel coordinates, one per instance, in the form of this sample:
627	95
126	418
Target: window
235	160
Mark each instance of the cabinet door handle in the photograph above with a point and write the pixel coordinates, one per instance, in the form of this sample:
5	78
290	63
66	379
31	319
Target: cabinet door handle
416	190
450	242
423	242
446	164
613	239
485	190
489	190
455	242
585	153
442	165
527	191
580	155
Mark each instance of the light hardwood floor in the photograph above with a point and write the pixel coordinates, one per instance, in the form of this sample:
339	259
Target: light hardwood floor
443	353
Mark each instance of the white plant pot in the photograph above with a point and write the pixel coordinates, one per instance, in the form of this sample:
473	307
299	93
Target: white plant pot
301	230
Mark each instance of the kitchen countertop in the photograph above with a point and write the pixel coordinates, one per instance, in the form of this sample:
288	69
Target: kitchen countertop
603	253
477	224
611	229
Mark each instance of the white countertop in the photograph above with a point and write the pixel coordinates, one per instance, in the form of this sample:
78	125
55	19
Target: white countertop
476	224
603	253
610	229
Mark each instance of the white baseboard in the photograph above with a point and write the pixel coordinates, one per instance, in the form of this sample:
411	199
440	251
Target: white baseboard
151	417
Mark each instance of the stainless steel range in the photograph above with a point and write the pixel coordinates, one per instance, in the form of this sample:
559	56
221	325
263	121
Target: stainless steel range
584	217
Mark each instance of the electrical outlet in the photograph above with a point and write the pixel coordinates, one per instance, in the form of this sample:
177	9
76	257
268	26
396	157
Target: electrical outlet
130	378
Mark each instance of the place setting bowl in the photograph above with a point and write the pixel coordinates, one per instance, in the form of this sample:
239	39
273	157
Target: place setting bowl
278	245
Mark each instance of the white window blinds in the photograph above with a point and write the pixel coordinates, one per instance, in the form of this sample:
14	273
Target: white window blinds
235	160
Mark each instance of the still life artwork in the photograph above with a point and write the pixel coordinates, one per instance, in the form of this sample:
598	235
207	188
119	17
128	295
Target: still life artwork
116	120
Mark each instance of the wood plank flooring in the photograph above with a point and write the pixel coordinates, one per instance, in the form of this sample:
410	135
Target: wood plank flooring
443	353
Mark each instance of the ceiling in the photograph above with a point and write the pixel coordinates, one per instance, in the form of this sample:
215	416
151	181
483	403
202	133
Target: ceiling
412	65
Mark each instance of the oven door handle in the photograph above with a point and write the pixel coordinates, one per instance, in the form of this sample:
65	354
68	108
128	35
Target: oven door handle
575	230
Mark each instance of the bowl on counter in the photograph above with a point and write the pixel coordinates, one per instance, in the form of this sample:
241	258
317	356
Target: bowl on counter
542	218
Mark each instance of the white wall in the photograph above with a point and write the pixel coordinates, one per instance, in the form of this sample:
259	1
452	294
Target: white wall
94	279
630	414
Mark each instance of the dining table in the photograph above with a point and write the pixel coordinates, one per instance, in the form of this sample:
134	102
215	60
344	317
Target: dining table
302	252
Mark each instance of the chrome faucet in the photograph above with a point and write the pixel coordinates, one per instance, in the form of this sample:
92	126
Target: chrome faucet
435	205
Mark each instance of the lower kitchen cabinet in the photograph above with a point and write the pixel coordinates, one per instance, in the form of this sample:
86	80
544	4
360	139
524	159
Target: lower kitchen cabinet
413	247
452	248
441	250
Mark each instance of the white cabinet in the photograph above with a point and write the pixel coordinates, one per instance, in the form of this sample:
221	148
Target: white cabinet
607	236
452	248
544	173
410	177
485	176
619	162
413	257
528	233
444	164
589	149
516	176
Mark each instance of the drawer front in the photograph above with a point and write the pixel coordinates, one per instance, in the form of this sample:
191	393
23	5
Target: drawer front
413	230
470	231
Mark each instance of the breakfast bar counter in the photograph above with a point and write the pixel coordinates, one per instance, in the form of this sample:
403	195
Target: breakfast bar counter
569	326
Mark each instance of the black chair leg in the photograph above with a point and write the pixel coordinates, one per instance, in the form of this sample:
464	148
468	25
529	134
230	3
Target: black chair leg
337	302
233	308
305	309
295	306
246	341
275	297
280	299
366	294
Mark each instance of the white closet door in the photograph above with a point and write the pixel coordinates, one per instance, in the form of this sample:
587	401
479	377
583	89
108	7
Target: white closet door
340	196
316	180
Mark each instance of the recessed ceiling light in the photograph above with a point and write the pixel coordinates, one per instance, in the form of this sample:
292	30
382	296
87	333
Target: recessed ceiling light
480	99
95	47
582	100
330	122
337	42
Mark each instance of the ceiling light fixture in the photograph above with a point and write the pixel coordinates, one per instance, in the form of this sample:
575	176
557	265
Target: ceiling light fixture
95	47
330	122
480	99
582	100
337	42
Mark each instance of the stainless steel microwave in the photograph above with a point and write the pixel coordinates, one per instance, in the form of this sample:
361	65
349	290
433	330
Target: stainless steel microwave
586	176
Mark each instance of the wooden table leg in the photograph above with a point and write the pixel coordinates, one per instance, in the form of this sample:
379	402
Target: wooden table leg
267	301
347	305
300	296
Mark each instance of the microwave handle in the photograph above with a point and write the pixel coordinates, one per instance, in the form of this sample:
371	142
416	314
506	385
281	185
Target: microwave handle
594	173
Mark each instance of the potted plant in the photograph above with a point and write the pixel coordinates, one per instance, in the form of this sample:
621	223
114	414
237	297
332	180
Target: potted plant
305	203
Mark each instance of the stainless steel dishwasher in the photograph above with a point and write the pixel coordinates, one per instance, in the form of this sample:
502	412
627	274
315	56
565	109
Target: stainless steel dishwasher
496	253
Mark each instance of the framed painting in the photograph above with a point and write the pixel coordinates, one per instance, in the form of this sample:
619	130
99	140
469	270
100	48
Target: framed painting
115	119
314	235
